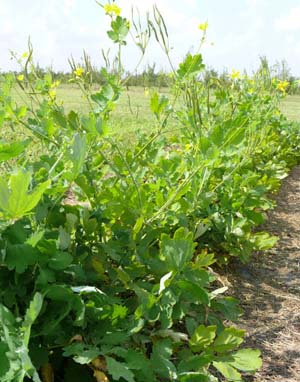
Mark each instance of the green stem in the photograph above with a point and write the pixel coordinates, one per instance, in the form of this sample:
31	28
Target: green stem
130	173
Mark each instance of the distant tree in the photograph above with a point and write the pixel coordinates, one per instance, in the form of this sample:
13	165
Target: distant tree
209	74
282	70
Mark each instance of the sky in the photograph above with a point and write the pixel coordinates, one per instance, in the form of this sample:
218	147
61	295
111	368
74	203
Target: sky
239	32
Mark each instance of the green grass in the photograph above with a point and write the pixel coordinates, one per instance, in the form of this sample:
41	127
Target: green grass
132	113
290	106
133	109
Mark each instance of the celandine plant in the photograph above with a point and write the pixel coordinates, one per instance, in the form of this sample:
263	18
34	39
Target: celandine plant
105	251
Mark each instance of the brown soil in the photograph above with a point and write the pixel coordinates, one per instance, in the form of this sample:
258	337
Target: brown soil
269	290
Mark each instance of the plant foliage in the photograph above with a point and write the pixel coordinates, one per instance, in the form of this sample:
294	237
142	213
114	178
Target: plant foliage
106	251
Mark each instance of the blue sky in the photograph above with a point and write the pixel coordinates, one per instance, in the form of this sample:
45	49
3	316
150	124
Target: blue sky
239	31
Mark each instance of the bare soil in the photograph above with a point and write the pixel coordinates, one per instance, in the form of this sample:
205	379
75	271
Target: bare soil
269	290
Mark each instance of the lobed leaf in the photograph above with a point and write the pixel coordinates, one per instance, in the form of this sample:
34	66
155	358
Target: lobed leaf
202	337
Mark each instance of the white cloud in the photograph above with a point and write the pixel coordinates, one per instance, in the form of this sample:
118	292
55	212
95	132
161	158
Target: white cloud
289	21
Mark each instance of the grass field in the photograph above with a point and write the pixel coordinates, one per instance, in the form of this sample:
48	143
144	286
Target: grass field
290	106
133	109
134	105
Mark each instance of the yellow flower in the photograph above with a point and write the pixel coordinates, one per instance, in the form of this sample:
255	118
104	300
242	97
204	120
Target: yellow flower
25	55
282	86
78	72
203	26
20	77
112	9
55	84
52	94
235	74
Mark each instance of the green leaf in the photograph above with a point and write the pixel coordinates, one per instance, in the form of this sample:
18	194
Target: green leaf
94	124
228	306
137	227
200	230
78	152
195	291
20	363
35	238
64	239
60	261
73	120
119	312
193	377
202	337
54	315
115	338
227	371
104	98
11	150
158	104
235	136
4	361
177	251
136	360
263	241
217	135
31	315
247	360
59	292
17	232
119	370
196	362
81	353
205	260
191	66
20	257
2	117
15	200
175	336
119	30
9	327
160	359
228	339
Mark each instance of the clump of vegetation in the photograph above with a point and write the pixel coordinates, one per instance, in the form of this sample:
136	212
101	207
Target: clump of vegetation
106	250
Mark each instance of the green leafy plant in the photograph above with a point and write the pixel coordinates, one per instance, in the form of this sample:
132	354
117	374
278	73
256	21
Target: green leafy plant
106	251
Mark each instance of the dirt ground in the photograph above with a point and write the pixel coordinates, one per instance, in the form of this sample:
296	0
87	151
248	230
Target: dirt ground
269	290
